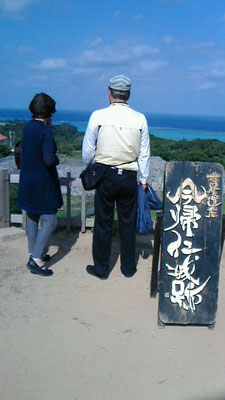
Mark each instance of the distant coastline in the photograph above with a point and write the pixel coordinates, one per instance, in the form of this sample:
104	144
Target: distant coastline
165	126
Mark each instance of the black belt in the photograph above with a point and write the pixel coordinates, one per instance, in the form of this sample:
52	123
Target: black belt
120	171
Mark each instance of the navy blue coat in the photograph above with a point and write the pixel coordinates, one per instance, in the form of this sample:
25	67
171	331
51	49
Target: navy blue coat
39	188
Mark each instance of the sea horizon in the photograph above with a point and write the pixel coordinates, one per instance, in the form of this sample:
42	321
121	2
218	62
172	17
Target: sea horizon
166	126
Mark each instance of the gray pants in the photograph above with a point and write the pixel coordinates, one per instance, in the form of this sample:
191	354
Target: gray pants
38	239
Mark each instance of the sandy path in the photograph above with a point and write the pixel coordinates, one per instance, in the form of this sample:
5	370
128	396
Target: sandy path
73	337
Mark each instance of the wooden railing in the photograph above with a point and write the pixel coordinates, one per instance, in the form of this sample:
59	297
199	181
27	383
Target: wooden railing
6	218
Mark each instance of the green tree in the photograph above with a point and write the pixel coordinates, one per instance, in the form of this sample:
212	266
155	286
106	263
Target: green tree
4	150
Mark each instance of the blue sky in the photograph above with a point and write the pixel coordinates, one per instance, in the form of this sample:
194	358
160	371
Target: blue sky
173	51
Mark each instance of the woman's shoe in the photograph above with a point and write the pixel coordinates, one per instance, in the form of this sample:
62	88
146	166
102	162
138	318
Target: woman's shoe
35	269
47	257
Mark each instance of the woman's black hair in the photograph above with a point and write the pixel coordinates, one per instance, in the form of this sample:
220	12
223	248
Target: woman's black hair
42	106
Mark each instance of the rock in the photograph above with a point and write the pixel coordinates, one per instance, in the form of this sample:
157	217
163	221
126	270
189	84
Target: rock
156	174
9	164
157	167
11	233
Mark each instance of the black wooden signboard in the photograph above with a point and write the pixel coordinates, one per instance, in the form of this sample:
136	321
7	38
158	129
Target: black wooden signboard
190	258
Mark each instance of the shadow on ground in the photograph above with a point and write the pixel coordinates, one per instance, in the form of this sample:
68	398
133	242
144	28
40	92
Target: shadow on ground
61	244
144	249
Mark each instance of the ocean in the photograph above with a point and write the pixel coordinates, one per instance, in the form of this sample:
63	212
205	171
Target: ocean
165	126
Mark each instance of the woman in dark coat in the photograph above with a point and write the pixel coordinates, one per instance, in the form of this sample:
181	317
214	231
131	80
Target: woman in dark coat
39	189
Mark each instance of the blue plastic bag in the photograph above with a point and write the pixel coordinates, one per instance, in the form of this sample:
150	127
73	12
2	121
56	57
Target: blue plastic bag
153	200
147	200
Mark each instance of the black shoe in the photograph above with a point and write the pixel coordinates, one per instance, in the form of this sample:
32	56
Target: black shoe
129	275
90	271
47	257
35	269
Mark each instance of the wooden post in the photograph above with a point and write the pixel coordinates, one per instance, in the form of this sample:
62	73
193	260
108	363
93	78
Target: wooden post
4	199
83	211
222	235
24	219
68	202
155	259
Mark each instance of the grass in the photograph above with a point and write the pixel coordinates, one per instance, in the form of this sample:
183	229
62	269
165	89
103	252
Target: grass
76	156
75	205
13	190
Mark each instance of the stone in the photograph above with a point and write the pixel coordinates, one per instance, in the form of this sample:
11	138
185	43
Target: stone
11	233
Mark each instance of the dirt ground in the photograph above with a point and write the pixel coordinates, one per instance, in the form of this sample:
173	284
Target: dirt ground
74	337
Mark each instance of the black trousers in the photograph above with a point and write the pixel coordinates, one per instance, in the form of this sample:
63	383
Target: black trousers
122	190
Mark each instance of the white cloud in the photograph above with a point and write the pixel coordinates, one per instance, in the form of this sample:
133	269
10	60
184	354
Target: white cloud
51	64
117	14
123	53
11	6
138	17
83	71
169	39
217	70
6	47
93	43
207	85
58	6
105	56
101	62
209	76
144	50
204	45
175	1
144	67
23	50
38	78
14	8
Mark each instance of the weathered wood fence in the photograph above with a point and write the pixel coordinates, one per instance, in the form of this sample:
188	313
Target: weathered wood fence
6	218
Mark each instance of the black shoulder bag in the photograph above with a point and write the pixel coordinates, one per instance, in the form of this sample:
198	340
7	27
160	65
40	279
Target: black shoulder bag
92	175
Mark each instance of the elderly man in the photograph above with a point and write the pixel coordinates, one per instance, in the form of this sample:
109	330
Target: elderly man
118	137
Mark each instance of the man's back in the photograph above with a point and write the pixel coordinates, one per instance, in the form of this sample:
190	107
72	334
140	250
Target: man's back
119	135
120	115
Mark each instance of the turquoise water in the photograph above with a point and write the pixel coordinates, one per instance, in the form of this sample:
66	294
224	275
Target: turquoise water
165	126
188	134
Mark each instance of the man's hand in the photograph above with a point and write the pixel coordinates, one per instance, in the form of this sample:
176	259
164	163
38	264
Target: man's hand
143	185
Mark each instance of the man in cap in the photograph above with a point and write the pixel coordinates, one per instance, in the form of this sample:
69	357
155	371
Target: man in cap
118	137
